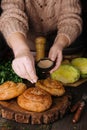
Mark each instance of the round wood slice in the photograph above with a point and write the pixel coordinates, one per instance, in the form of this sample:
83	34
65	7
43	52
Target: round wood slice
11	110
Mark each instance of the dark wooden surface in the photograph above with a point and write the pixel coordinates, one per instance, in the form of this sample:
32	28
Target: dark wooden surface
63	124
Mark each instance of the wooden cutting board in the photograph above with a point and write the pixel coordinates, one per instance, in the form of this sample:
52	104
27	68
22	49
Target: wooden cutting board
11	110
77	83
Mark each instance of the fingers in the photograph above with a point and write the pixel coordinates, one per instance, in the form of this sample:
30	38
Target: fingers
25	69
30	70
55	54
58	62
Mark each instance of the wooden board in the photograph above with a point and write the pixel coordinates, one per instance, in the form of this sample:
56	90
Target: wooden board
77	83
11	110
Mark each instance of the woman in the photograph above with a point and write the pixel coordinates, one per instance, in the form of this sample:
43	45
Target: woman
23	19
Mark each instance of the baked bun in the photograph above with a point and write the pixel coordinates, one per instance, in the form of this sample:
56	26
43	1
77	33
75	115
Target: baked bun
53	87
9	90
35	99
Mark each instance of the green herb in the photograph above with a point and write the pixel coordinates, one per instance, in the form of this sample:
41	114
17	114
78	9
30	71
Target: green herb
7	73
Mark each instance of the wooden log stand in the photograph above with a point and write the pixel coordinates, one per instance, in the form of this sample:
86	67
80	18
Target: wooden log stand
10	110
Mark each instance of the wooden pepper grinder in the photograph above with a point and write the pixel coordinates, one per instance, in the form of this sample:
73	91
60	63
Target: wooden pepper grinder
40	48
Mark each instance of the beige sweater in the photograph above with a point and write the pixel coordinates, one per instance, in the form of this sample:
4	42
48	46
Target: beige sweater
41	17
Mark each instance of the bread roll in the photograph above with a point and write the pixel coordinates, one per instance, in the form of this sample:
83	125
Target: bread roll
9	90
35	99
53	87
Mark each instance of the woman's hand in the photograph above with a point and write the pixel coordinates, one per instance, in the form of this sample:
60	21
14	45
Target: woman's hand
24	67
23	63
55	53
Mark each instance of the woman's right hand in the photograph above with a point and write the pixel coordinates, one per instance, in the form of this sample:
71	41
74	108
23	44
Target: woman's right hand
23	63
24	66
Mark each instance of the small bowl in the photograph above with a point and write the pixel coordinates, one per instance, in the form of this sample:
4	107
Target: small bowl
45	64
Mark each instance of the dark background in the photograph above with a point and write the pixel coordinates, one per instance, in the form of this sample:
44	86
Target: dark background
84	17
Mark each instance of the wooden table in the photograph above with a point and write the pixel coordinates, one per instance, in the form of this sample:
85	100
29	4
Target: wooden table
62	124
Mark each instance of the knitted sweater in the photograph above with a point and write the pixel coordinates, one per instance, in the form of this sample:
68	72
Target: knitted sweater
41	16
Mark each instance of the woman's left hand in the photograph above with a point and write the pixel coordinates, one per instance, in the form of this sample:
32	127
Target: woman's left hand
55	53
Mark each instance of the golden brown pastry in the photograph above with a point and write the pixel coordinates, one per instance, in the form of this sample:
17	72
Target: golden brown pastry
53	87
35	99
9	90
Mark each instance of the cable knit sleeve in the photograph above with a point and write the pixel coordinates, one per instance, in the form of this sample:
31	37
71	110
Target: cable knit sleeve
13	19
70	22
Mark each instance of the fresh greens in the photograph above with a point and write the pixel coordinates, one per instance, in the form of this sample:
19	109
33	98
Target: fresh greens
7	73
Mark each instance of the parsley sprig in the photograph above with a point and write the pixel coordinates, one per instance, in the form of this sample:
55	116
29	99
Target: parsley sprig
7	73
